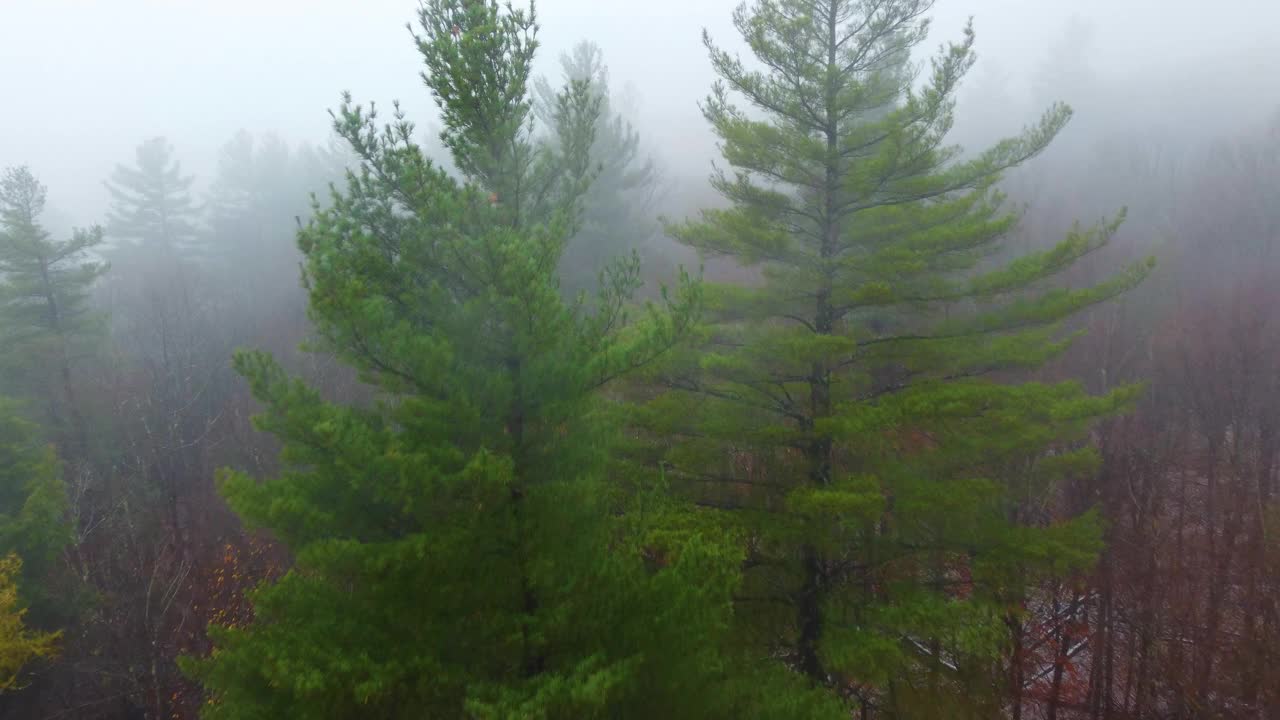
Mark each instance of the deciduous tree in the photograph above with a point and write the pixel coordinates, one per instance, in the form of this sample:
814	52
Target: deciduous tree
18	644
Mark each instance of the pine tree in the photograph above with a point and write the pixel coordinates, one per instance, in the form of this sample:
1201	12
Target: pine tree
857	411
151	202
459	551
616	218
33	505
45	319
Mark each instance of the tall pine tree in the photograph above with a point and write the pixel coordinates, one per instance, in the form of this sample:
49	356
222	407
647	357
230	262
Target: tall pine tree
459	552
846	411
46	323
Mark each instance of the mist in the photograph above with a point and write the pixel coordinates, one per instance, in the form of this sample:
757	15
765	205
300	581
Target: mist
618	397
198	72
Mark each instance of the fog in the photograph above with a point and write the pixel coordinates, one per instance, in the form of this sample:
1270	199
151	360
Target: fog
86	80
506	380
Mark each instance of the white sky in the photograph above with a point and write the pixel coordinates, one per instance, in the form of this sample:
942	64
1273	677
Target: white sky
84	81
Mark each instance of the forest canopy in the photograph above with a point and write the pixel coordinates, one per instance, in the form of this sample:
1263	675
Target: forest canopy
478	410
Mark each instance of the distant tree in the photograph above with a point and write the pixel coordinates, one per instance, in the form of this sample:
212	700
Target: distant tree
1181	618
325	164
459	552
45	318
152	532
151	202
18	644
239	184
258	192
845	409
617	217
254	206
261	191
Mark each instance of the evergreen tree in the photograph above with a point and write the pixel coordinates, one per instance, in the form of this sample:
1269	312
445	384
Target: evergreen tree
33	505
616	219
45	319
239	202
846	411
151	202
459	552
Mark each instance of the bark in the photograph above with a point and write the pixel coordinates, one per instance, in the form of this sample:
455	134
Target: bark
809	617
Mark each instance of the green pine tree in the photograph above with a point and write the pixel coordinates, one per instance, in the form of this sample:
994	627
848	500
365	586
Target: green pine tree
151	203
46	323
854	411
459	552
33	506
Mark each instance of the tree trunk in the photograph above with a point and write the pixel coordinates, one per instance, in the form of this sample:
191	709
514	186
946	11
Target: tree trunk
809	617
1015	665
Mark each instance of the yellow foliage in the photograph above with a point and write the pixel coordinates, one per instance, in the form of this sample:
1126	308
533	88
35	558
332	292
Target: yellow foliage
18	645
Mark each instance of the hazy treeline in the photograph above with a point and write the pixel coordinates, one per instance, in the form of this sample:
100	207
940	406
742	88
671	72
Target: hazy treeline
495	419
